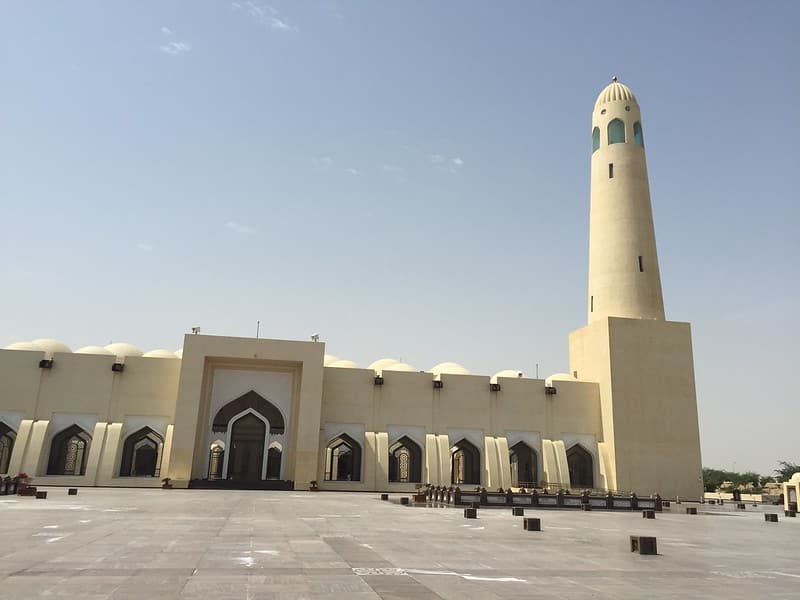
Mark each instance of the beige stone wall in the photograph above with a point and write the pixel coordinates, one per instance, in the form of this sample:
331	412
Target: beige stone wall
648	402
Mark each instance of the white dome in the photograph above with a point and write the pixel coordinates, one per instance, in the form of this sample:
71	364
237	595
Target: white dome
344	364
613	92
404	367
179	353
449	368
505	373
23	346
159	353
379	365
559	377
121	350
795	477
329	358
50	346
93	350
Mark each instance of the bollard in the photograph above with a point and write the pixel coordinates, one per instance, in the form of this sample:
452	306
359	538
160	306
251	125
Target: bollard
790	513
648	514
643	545
518	511
383	496
72	492
691	510
711	501
470	513
771	517
741	506
532	524
41	495
404	500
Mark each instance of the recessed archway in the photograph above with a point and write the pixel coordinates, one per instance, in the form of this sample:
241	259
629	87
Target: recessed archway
465	463
581	467
141	454
405	461
524	465
343	459
69	451
7	438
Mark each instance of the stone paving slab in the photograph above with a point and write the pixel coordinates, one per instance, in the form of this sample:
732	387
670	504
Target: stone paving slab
134	543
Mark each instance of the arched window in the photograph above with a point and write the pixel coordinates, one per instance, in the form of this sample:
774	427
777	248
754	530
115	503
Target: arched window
405	461
581	467
69	451
595	139
216	459
7	438
343	459
616	132
465	463
141	454
638	138
274	455
524	465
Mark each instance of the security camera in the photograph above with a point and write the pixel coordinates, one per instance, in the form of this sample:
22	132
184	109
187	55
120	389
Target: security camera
195	330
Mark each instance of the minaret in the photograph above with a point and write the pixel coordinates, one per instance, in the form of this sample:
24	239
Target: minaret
624	278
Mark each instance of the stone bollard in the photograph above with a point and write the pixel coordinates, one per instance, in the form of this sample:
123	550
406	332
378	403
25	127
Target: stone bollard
532	524
404	501
518	511
72	492
741	506
691	510
643	545
771	517
790	513
383	496
648	514
470	513
41	495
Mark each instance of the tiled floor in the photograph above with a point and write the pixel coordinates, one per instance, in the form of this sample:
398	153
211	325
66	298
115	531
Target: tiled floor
165	544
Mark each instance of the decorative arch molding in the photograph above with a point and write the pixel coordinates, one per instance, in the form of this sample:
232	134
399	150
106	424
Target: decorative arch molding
69	451
465	463
405	461
582	466
141	454
252	400
229	426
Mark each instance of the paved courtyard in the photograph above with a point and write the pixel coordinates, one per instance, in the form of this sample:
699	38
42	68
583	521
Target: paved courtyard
108	543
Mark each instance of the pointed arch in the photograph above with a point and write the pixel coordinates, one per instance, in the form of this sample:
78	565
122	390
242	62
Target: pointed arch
69	451
638	137
524	464
616	132
405	461
274	457
7	438
465	463
248	437
343	459
216	459
595	139
254	401
581	467
141	454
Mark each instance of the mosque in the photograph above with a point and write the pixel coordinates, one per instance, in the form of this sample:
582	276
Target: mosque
272	414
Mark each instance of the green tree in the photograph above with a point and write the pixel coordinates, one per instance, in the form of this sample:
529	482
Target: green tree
786	470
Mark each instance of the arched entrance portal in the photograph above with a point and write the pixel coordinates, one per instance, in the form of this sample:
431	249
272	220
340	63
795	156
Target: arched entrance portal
523	465
247	448
465	463
581	467
252	429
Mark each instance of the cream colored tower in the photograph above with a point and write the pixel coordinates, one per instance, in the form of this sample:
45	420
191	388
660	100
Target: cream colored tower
624	279
643	363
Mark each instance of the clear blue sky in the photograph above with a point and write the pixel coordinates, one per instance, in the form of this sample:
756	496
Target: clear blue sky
407	179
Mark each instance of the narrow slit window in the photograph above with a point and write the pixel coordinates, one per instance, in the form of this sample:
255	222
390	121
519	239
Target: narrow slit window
611	170
641	266
591	304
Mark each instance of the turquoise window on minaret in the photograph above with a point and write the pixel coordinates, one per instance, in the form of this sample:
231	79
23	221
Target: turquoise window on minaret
595	139
616	132
638	139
